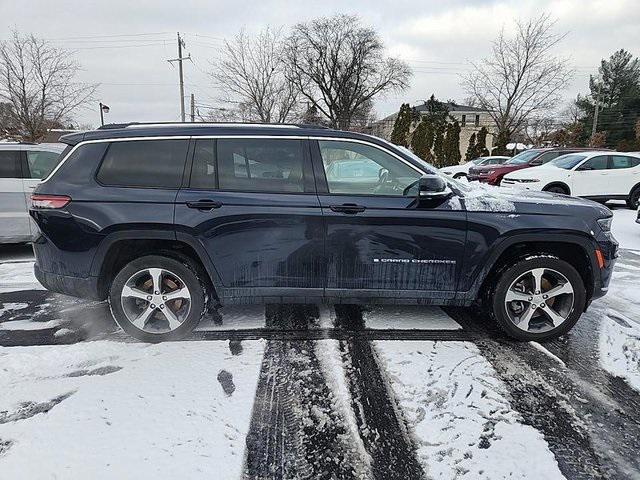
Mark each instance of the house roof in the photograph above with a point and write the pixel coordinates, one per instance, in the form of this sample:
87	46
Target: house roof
453	107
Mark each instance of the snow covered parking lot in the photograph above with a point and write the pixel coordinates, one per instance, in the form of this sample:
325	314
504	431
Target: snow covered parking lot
308	392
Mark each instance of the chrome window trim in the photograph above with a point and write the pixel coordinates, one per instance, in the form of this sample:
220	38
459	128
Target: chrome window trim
183	137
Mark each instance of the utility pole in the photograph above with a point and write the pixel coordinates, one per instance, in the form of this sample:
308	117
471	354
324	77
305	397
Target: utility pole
193	108
594	129
180	59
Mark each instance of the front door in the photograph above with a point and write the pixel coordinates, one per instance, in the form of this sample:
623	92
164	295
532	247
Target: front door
251	204
379	243
590	178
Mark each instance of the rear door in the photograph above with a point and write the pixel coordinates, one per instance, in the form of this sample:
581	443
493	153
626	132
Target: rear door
590	178
13	208
251	204
624	174
379	243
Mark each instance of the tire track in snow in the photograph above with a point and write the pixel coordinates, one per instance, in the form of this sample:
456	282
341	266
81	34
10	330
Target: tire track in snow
382	427
592	433
295	430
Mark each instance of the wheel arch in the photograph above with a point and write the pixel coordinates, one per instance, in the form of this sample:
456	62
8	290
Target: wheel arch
519	247
119	248
557	184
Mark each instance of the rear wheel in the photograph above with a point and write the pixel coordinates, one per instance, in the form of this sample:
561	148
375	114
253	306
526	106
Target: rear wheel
538	298
156	298
634	199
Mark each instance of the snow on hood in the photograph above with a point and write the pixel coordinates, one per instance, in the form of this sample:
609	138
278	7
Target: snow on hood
479	197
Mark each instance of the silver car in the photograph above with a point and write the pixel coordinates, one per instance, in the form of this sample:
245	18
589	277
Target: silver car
22	165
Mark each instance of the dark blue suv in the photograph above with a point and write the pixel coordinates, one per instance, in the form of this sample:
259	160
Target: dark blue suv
167	220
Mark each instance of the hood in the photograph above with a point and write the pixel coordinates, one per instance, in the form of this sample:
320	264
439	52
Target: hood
542	171
485	198
498	168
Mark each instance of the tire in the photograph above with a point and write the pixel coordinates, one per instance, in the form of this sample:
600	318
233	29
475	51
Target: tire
634	199
556	189
172	320
459	175
570	305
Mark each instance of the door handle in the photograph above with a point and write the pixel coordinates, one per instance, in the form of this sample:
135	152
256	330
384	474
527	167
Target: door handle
204	204
350	208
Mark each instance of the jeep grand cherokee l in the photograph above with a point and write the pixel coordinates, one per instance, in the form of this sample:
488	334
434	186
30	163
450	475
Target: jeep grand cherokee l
165	220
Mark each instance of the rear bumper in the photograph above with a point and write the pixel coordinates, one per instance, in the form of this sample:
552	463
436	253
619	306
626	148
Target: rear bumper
73	286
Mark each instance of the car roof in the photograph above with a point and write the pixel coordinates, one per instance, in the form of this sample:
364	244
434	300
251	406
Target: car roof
138	130
52	147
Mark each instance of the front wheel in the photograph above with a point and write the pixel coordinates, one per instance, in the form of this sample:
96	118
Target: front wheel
459	176
556	189
156	298
538	298
634	199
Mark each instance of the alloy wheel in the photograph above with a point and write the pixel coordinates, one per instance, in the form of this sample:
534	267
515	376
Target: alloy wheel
155	300
539	300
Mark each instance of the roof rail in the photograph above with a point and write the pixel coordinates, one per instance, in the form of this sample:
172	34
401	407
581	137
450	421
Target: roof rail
112	126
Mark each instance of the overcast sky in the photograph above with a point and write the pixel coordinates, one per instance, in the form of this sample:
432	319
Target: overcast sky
124	45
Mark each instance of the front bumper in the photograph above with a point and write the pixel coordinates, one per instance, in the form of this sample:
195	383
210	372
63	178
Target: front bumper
535	186
483	179
73	286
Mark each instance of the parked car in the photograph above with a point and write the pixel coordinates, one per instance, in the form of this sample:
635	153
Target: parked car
165	220
22	165
529	158
596	175
459	171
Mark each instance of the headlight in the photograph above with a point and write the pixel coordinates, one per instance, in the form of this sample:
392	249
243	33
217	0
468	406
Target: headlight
490	172
605	224
446	172
529	180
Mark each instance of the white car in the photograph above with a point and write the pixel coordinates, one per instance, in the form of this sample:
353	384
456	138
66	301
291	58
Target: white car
595	175
458	171
22	165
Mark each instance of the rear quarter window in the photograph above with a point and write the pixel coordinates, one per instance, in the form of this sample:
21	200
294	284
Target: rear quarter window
144	163
10	164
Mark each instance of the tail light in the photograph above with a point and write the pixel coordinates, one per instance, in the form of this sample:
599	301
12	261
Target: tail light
49	201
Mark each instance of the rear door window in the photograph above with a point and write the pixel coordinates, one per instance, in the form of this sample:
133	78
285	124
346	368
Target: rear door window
261	165
622	161
144	163
204	170
10	164
41	163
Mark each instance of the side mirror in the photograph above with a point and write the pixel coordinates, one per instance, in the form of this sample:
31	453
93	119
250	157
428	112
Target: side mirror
535	163
583	168
433	187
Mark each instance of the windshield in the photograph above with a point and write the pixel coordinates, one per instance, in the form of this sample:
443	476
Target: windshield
523	157
478	161
567	161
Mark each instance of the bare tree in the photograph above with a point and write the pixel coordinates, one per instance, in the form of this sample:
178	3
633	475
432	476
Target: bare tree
521	79
339	67
38	81
251	72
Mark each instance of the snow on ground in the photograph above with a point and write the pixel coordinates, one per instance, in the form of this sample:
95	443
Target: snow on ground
409	318
619	310
624	227
125	410
16	276
235	317
460	417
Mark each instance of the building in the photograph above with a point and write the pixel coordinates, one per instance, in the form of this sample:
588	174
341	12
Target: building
471	119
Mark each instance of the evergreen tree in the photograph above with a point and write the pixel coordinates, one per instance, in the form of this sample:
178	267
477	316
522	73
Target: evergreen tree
438	146
471	149
481	143
619	86
400	133
454	144
420	142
